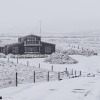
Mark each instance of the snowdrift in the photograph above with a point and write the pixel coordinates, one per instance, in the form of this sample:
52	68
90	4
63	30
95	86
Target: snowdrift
60	58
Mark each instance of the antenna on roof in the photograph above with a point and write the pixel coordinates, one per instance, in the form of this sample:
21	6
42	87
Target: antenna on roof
40	26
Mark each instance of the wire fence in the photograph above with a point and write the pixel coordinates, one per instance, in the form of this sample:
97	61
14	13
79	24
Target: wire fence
9	76
39	76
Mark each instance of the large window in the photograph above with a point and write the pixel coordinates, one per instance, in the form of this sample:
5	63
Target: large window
15	50
32	41
31	38
32	49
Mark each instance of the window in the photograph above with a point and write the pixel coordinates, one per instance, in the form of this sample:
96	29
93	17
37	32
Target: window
15	50
32	42
19	40
47	49
31	49
31	38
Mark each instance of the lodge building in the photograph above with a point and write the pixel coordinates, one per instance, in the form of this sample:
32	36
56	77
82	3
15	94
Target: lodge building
30	44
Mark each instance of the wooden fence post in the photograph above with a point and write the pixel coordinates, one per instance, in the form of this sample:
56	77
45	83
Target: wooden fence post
0	97
72	71
27	63
67	73
17	60
48	76
52	68
75	73
39	65
8	59
34	77
66	70
80	73
59	76
16	79
78	47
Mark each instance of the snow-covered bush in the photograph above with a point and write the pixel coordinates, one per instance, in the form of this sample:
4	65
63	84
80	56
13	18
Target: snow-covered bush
11	56
60	58
79	52
2	55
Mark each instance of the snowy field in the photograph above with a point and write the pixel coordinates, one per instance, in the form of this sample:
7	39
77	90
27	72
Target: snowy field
85	64
81	88
88	40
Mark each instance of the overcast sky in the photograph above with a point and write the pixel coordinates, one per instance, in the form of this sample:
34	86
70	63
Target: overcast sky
56	15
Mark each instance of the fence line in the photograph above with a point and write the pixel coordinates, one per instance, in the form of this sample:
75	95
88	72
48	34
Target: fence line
40	76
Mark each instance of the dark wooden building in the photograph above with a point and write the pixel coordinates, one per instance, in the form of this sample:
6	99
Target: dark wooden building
30	44
2	49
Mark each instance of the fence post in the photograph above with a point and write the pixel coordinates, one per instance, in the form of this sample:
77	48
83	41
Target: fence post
80	73
8	59
67	73
52	68
59	76
48	76
17	60
27	63
39	65
66	70
0	97
72	71
16	79
34	77
75	73
78	47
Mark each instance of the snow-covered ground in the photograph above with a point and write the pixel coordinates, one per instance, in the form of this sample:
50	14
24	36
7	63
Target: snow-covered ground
83	88
88	64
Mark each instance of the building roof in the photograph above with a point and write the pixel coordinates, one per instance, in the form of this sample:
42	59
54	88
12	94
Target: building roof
15	44
29	35
48	43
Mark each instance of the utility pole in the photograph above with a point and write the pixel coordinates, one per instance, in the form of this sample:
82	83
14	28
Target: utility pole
40	26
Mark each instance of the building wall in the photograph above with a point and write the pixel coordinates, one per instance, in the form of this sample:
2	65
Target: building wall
17	48
32	49
2	49
47	48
